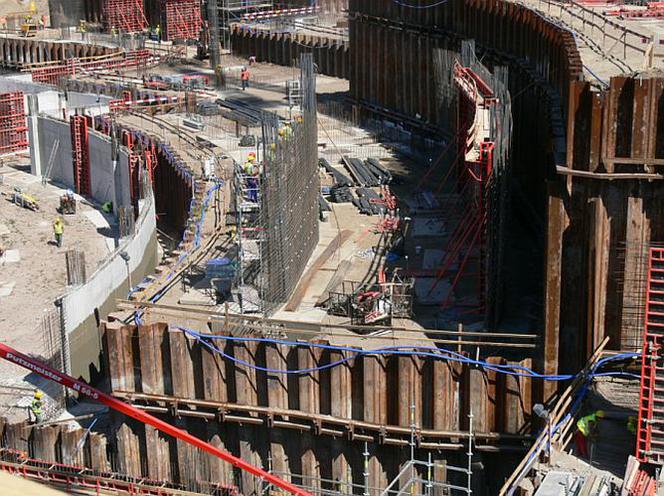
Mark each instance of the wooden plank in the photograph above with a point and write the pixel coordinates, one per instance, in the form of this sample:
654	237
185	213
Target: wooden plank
182	368
337	279
120	356
157	454
295	300
245	376
409	391
98	453
150	339
375	394
341	386
69	446
556	223
215	375
309	392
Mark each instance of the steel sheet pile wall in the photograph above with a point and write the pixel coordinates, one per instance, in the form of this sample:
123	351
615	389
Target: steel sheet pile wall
290	187
330	55
21	52
608	211
392	64
314	423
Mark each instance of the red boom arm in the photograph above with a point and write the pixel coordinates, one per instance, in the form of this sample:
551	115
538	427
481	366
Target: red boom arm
84	389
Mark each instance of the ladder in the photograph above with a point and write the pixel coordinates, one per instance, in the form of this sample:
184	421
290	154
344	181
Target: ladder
80	152
650	432
51	160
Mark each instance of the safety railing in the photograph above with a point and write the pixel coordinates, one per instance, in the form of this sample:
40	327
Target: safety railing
587	17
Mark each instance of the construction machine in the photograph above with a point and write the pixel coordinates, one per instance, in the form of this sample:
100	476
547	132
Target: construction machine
31	21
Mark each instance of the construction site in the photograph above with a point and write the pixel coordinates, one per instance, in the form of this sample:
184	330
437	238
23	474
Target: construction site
332	247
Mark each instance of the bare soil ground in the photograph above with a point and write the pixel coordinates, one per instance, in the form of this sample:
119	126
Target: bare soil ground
39	275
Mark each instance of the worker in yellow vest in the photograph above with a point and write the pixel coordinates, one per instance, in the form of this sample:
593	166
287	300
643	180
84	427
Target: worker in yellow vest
37	406
586	426
58	231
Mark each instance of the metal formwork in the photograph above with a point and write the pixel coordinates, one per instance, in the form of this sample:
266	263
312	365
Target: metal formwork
81	154
124	15
13	128
181	19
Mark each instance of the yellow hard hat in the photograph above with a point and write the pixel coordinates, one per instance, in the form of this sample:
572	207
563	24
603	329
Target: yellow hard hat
600	413
38	394
281	132
251	158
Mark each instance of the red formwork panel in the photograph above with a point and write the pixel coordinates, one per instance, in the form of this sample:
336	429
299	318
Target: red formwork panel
80	146
126	16
181	19
13	126
650	430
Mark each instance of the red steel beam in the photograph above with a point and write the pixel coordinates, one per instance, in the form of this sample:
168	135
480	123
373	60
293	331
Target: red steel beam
82	388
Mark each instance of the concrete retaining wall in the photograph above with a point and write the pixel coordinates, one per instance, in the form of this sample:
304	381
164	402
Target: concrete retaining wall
83	305
110	179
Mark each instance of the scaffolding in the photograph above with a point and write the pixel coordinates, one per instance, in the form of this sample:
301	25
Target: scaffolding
276	205
473	189
13	127
235	11
127	16
181	19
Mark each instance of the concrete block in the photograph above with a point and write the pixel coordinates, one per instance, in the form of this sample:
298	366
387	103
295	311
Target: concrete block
10	256
6	288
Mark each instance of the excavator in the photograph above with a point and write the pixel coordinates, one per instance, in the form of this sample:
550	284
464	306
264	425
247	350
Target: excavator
85	390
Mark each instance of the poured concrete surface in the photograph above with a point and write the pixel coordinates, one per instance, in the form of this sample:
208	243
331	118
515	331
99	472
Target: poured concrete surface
13	485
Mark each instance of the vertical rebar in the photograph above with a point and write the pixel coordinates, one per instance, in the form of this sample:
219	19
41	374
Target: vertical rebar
366	469
469	489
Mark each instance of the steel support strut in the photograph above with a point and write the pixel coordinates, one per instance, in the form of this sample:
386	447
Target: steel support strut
88	391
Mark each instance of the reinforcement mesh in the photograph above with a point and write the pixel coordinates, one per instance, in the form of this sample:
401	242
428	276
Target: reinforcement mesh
277	241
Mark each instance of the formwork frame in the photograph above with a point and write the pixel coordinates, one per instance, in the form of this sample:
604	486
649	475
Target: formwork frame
650	429
233	11
13	126
181	19
127	16
80	146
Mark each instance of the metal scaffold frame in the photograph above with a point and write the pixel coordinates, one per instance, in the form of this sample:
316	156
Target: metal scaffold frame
473	188
13	127
233	11
181	19
81	154
650	431
127	16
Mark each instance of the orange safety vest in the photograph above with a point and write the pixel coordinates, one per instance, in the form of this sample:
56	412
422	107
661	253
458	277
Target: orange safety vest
245	75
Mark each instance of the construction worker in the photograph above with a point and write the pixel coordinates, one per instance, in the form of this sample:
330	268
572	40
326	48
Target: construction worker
58	230
286	132
114	30
244	76
158	31
586	426
632	424
37	406
252	170
252	60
